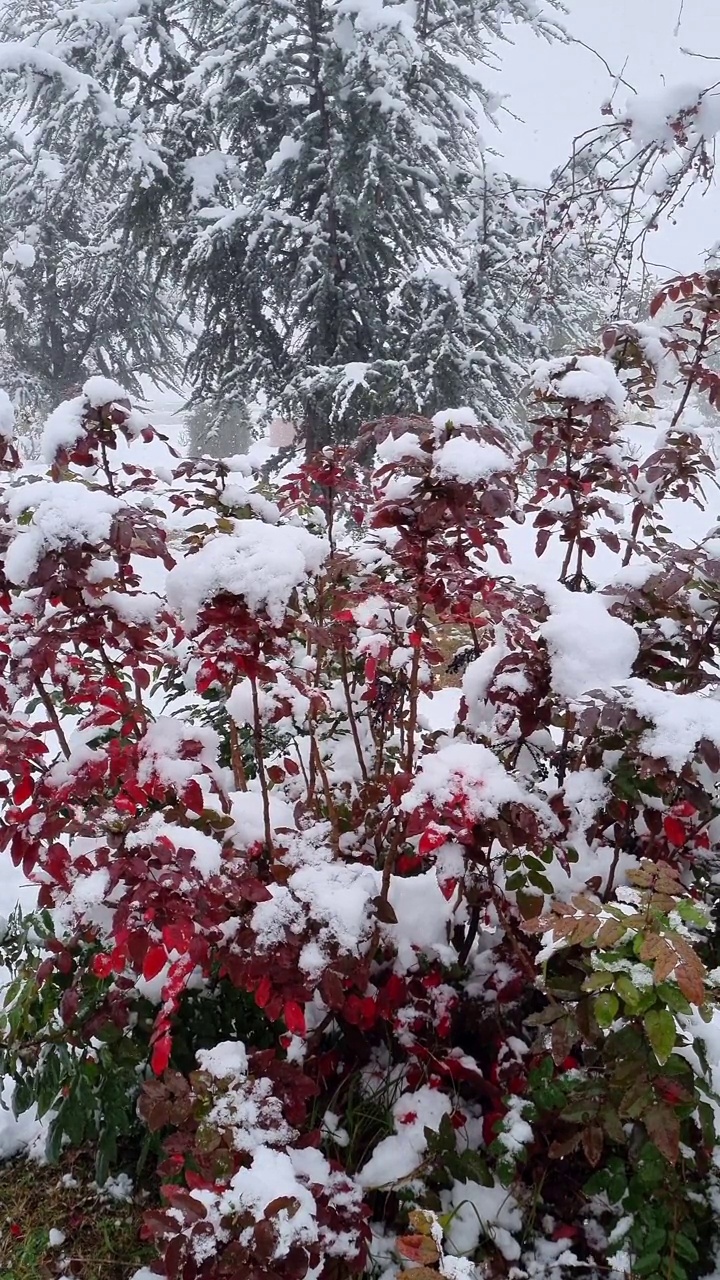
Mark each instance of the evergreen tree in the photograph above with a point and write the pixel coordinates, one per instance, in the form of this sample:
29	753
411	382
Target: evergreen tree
79	293
311	177
218	429
77	298
337	281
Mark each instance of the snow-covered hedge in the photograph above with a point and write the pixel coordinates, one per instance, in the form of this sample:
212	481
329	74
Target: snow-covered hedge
384	992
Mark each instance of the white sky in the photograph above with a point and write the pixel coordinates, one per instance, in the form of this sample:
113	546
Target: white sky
558	92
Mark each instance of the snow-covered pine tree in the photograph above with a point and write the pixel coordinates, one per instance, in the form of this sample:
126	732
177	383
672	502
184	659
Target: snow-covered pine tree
77	298
78	293
310	177
221	430
337	277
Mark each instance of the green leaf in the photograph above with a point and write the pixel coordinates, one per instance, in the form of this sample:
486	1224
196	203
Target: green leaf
648	1265
628	992
516	881
616	1188
654	1240
692	914
686	1249
540	882
599	981
606	1008
661	1032
637	999
596	1183
54	1142
673	997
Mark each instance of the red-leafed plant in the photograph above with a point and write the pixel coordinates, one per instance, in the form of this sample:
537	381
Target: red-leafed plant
374	982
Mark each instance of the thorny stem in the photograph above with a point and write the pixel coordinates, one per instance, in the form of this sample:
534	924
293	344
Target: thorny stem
107	470
55	719
262	777
351	714
471	935
414	699
303	770
238	767
634	531
575	543
614	865
563	752
332	811
414	691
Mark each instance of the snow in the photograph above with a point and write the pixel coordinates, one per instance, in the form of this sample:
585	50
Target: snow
19	254
7	416
589	648
461	417
99	391
400	448
651	116
162	751
23	1133
206	851
398	1156
63	428
467	777
679	721
593	378
289	149
262	563
469	461
337	896
247	813
204	172
423	915
64	514
269	1176
281	433
226	1061
479	1211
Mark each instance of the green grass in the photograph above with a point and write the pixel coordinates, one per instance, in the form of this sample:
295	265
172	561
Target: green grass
101	1235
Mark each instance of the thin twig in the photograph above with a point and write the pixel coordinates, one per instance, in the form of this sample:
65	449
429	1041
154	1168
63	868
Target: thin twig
351	714
55	719
262	776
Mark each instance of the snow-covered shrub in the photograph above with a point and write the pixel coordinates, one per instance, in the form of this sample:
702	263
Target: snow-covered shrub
462	967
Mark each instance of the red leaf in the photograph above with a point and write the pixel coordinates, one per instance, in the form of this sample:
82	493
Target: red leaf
177	936
432	838
193	796
448	887
263	992
161	1054
154	962
675	831
23	790
102	966
294	1015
